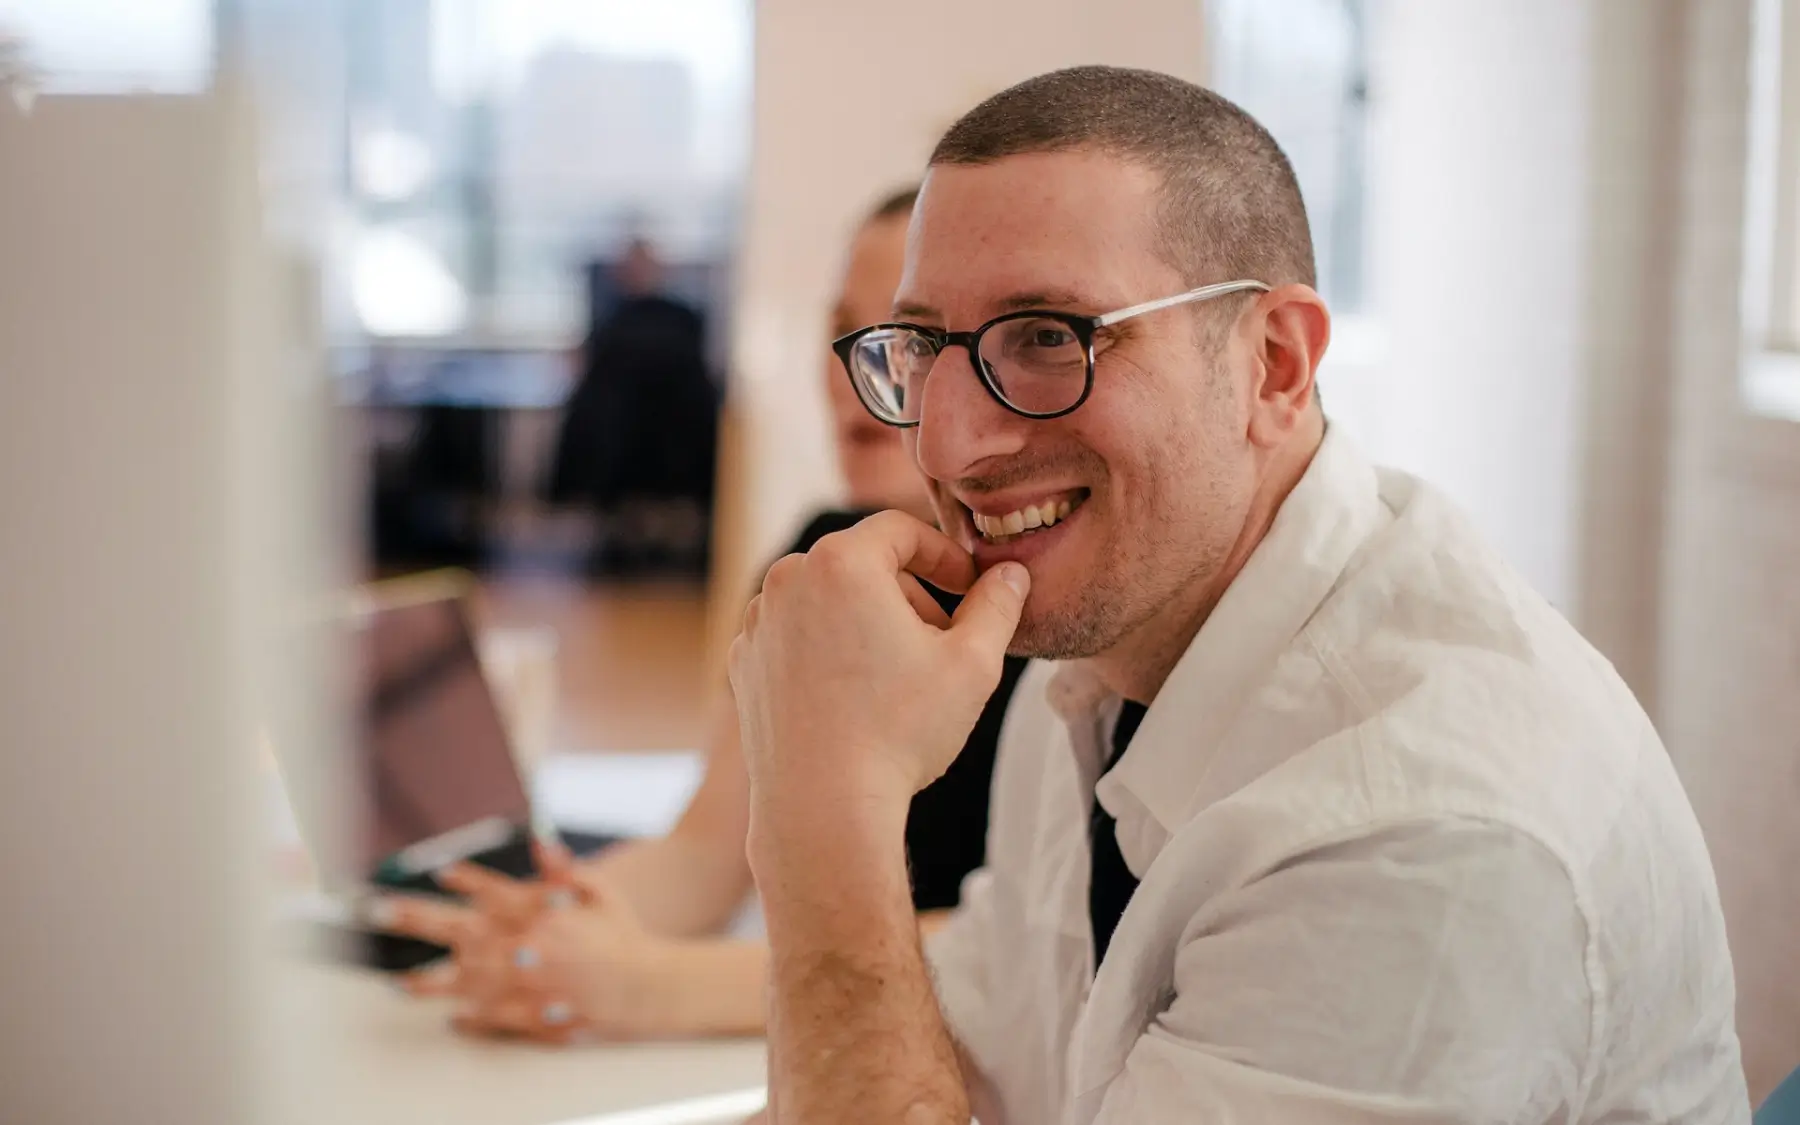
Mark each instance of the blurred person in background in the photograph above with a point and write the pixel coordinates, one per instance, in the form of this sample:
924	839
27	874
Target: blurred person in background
627	944
640	434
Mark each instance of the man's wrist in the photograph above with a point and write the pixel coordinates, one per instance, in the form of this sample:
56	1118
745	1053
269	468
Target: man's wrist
834	849
826	823
862	801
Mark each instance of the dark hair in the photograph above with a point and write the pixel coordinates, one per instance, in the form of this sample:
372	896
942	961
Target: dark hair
1230	206
899	203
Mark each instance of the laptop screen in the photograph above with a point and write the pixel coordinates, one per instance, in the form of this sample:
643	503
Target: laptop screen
436	770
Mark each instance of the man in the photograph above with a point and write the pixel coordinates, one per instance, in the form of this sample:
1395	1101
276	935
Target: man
1390	841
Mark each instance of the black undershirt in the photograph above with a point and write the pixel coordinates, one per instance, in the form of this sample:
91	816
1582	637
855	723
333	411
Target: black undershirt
1110	883
946	829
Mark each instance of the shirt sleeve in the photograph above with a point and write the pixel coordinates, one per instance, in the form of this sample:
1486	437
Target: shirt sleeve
1428	972
957	957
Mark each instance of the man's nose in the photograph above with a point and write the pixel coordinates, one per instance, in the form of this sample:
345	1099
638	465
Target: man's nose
961	425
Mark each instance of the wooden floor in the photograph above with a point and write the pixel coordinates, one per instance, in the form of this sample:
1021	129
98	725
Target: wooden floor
629	658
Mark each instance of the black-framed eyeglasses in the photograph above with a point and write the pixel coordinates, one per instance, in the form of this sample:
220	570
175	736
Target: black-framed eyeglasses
1038	364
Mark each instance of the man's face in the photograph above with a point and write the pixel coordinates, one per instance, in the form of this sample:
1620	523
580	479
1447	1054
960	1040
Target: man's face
1155	469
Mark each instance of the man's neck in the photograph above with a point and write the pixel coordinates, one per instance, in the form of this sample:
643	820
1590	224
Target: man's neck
1138	665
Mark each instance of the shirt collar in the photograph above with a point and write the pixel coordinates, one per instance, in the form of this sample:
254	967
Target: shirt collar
1325	519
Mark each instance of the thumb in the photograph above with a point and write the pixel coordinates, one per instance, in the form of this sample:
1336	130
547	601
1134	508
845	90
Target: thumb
557	874
989	613
551	855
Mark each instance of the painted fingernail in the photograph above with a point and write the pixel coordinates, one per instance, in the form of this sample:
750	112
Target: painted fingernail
526	957
380	913
557	1013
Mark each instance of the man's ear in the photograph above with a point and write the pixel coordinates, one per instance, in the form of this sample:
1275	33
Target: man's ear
1295	330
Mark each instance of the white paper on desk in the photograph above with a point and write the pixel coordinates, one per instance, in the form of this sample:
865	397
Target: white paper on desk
619	794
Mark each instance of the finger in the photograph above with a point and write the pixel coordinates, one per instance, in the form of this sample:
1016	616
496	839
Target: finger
507	900
989	614
559	885
923	550
900	542
521	1014
441	979
923	603
441	923
475	1024
563	885
554	862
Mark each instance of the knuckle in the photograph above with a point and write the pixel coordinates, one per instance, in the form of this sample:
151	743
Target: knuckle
888	520
785	570
836	554
831	548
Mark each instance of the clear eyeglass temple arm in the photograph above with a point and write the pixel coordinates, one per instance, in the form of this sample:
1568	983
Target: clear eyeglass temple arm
1205	292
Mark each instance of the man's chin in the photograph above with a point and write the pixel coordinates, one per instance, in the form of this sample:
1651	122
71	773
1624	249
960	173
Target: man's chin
1056	632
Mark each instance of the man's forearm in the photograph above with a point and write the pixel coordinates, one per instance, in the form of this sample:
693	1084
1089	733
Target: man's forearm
854	1028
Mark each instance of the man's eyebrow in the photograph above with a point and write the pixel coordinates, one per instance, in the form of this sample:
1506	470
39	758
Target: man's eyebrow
1061	300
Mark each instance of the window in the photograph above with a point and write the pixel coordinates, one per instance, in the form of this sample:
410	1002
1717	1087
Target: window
103	46
1770	291
493	148
1300	68
456	167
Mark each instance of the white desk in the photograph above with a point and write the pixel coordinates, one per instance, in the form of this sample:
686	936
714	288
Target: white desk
378	1057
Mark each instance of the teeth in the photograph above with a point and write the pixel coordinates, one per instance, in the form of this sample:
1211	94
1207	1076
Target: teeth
1029	518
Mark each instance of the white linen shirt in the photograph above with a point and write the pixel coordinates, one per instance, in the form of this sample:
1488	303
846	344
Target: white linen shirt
1409	849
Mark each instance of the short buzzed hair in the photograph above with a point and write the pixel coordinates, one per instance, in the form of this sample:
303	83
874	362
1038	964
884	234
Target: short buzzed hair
1231	206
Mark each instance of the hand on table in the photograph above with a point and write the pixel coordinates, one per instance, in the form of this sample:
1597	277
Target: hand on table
555	961
853	686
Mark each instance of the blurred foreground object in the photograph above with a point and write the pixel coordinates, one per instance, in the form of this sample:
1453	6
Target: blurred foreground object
150	529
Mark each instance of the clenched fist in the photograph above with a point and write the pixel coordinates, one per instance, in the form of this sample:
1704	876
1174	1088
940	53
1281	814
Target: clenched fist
854	689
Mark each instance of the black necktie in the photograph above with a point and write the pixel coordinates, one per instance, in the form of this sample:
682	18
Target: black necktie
1110	882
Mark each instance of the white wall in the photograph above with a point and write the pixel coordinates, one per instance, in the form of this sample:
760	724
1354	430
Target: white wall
1634	160
1478	195
1730	654
850	97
